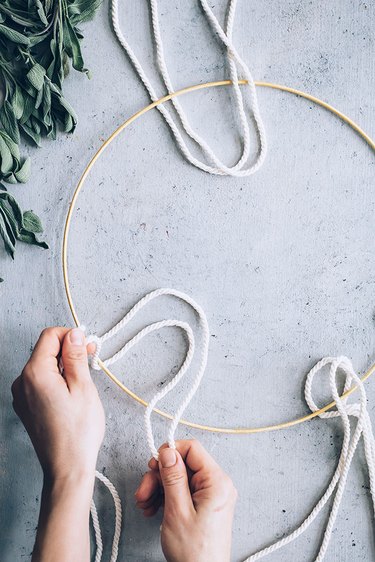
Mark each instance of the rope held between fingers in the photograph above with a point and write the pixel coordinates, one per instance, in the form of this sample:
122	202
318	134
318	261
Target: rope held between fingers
184	326
213	165
343	410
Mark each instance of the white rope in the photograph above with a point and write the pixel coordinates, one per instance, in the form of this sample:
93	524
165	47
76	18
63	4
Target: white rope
96	524
99	341
115	497
213	164
350	442
94	359
97	531
351	439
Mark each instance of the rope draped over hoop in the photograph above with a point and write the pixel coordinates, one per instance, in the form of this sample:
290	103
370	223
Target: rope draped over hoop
351	439
78	189
185	327
212	164
363	428
344	410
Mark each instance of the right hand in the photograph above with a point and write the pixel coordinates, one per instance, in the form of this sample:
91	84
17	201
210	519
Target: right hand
198	499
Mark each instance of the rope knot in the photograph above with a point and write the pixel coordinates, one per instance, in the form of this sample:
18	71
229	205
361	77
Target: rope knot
94	357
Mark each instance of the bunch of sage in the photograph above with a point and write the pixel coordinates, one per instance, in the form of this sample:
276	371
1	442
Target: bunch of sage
39	41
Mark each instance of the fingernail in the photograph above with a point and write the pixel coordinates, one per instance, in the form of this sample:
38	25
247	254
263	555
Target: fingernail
76	336
167	458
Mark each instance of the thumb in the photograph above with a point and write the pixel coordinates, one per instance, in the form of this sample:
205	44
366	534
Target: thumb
177	496
74	358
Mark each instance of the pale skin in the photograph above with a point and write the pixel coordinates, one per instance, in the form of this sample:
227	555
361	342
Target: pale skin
65	420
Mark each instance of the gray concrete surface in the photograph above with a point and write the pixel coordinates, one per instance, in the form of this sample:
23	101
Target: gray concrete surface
283	263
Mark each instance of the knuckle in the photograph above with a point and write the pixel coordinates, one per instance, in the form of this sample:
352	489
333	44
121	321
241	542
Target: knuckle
225	485
47	332
190	443
29	379
14	388
28	373
173	478
231	491
75	354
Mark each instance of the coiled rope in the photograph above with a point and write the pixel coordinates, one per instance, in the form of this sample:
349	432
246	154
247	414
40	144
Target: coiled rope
213	165
344	410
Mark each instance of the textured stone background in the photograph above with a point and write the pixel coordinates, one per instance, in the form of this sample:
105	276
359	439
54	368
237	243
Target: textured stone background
282	262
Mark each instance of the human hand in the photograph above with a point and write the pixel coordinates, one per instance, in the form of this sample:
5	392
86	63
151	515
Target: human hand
64	418
198	499
63	415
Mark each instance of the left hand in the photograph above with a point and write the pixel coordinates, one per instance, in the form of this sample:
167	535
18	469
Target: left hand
63	415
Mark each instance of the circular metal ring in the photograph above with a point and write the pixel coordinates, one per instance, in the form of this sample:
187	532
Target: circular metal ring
233	430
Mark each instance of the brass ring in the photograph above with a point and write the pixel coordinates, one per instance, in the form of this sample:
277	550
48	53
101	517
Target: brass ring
235	430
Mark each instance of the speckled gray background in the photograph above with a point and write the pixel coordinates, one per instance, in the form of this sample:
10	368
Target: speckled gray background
282	262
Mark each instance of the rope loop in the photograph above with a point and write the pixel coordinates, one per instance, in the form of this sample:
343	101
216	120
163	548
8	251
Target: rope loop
94	356
358	410
363	428
210	162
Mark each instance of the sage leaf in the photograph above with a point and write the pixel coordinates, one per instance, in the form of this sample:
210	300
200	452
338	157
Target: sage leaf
75	49
13	35
18	103
36	76
32	222
9	121
4	233
13	147
15	225
30	238
23	174
39	41
6	157
29	131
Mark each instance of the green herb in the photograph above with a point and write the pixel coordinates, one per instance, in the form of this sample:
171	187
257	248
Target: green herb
39	41
16	225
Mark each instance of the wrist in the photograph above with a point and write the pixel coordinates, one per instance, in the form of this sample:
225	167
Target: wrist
81	481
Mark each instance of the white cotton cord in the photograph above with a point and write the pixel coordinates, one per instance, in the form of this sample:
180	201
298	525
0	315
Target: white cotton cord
160	58
350	442
96	524
184	326
97	531
94	360
215	166
234	57
343	410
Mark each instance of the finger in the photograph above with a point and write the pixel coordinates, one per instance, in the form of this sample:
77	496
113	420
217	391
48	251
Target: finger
149	485
195	455
153	463
152	500
48	346
151	511
91	348
177	497
74	357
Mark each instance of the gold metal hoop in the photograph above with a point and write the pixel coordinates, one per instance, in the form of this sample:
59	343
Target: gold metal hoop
235	430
